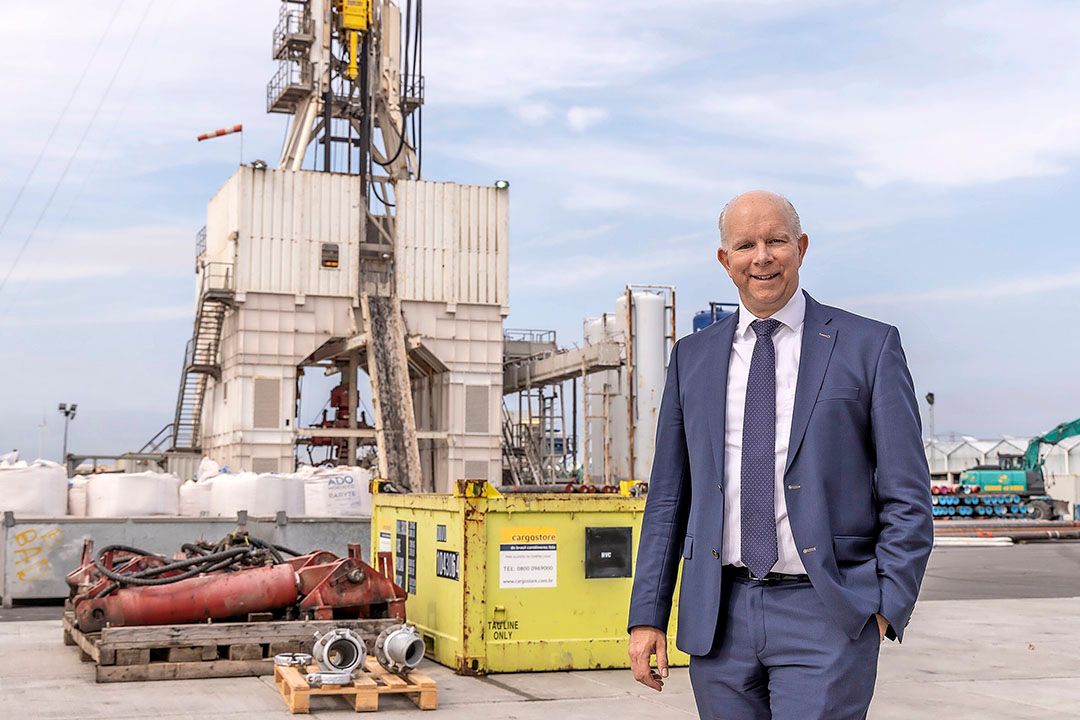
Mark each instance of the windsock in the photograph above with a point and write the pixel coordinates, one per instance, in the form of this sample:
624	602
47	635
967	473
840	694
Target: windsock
221	131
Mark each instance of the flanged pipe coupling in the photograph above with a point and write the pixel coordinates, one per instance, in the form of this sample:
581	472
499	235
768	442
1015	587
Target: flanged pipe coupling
339	651
399	648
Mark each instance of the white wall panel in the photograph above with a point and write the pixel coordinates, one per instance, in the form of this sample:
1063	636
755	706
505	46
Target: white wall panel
222	218
452	243
282	218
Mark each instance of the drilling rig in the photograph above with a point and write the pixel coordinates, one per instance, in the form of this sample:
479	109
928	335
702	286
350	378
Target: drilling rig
352	77
328	261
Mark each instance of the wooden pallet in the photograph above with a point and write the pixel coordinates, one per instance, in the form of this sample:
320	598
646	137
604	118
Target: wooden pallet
185	652
365	691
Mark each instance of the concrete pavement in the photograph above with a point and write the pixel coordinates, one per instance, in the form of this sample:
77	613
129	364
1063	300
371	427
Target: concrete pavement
1009	657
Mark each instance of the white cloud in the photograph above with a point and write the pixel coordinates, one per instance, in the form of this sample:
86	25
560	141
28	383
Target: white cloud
596	197
985	92
573	235
505	52
982	290
57	256
105	315
579	269
533	113
933	136
183	76
581	119
607	159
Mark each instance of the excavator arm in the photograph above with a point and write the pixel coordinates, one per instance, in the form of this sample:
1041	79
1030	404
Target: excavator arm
1053	437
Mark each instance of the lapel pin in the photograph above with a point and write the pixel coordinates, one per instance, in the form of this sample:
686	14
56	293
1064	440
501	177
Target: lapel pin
824	335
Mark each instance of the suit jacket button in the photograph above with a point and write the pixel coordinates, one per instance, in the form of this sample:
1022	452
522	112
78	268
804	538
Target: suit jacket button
716	554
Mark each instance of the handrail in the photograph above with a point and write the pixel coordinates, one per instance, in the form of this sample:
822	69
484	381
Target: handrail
289	75
153	445
216	276
529	335
291	22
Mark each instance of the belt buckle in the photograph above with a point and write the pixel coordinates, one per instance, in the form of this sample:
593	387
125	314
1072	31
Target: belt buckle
754	577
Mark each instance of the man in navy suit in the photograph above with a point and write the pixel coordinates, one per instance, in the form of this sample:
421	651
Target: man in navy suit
790	478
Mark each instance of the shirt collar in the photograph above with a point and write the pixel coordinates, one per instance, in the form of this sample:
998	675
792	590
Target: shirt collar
791	315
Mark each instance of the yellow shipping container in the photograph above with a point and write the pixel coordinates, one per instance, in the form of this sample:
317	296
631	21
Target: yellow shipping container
515	583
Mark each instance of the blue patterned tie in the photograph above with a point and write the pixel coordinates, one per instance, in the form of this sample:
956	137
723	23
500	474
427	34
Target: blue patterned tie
759	454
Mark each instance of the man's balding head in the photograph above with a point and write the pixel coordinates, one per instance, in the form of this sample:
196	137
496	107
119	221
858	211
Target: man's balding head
762	247
753	200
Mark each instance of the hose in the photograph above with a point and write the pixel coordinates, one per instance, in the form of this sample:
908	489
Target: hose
203	563
202	558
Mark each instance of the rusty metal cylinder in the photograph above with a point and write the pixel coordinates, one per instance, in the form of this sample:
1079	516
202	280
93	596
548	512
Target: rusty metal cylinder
218	595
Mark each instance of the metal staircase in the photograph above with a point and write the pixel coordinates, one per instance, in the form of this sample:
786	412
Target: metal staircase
520	453
201	355
555	447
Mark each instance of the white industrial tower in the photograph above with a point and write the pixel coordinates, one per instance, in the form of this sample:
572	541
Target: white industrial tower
354	264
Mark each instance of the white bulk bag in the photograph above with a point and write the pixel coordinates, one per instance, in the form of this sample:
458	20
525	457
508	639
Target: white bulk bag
37	488
77	496
330	492
207	469
195	498
132	494
261	495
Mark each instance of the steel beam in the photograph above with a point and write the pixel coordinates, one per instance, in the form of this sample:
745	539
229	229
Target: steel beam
562	366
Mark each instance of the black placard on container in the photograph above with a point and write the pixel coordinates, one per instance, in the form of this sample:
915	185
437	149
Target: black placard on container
608	552
410	566
446	564
400	543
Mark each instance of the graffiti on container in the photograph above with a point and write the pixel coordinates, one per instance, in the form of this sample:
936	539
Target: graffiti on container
30	551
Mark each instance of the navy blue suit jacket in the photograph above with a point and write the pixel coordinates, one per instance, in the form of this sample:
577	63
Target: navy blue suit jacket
856	481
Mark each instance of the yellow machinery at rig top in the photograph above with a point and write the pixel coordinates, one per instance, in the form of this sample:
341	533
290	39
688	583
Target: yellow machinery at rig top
515	582
354	17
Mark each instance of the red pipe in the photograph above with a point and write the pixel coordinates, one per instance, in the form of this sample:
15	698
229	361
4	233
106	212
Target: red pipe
218	595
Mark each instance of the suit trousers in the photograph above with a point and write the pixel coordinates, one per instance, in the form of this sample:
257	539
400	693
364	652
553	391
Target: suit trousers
778	654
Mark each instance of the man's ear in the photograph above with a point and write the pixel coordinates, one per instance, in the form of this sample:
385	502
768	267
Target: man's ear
721	255
804	243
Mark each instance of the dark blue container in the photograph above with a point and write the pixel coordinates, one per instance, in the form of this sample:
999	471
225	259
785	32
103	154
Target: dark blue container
716	311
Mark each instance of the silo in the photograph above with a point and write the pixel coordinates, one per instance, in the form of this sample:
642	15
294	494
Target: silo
614	436
647	358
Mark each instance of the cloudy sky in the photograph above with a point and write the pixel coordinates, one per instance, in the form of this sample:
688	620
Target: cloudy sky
931	148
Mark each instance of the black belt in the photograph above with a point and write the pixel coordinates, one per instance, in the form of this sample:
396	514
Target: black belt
773	578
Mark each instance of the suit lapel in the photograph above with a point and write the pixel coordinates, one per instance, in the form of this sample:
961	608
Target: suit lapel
719	358
818	341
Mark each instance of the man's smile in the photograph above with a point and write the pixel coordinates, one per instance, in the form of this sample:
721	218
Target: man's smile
765	277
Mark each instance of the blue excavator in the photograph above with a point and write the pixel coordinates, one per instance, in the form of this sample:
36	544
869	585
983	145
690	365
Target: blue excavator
1022	475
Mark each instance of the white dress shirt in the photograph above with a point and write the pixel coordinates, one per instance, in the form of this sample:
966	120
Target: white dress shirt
788	343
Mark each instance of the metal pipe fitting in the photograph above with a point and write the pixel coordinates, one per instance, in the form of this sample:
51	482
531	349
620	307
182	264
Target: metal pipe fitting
319	679
295	659
339	651
399	648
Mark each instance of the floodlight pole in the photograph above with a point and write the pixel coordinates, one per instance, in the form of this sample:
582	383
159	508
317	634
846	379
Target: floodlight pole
69	415
930	413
